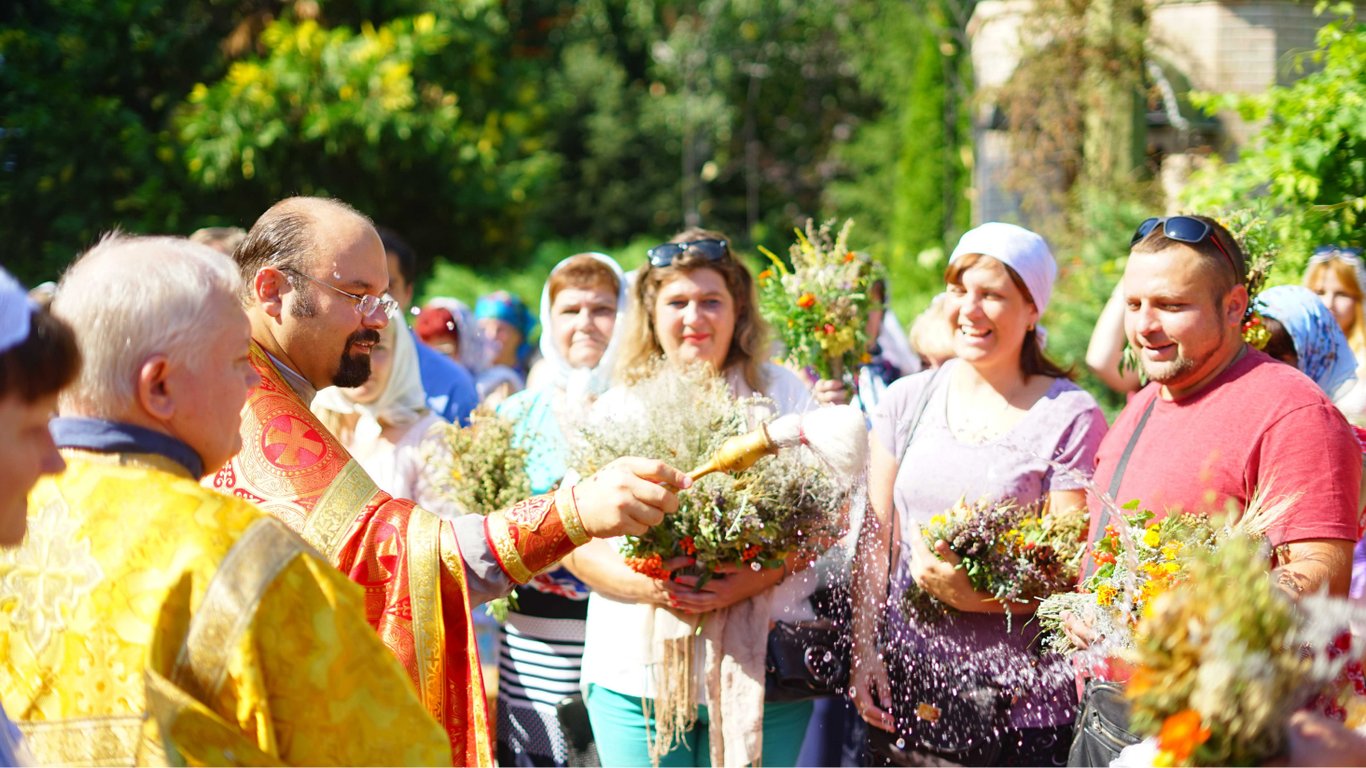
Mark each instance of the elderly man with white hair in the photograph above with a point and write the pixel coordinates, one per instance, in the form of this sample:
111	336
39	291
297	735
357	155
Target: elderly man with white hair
155	620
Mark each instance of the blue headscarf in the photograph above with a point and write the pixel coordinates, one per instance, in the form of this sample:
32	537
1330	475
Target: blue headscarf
1325	356
501	305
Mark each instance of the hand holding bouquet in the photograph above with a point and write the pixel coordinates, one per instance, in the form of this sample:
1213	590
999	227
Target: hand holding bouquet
1016	553
820	306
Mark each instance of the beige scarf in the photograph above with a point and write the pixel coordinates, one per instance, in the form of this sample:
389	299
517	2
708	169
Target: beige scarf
727	661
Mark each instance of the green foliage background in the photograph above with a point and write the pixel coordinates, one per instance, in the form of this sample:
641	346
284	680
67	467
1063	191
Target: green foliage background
493	135
499	137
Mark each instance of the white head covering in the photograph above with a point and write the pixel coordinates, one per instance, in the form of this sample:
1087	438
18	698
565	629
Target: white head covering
1017	248
402	402
1021	250
16	312
578	383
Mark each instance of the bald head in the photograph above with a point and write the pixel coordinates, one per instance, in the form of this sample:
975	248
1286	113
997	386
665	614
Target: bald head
299	232
308	265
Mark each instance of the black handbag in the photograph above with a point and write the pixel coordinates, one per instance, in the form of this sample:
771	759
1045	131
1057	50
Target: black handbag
810	659
806	660
1103	728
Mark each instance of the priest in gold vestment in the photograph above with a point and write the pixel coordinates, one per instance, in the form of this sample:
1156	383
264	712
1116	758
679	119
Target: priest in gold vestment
148	619
314	274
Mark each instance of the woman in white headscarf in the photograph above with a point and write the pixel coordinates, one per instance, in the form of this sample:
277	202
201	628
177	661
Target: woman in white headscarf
385	423
999	421
542	640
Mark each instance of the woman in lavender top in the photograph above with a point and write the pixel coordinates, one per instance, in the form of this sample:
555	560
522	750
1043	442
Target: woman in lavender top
1000	421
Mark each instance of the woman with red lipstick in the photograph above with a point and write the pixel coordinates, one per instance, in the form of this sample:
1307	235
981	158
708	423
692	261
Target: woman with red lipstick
1000	421
694	304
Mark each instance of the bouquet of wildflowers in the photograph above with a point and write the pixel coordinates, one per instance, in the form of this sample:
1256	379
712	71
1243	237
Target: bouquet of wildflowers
1221	663
753	518
1140	557
482	466
1017	553
820	306
1137	558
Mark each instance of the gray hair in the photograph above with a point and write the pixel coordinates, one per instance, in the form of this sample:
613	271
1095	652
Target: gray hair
129	298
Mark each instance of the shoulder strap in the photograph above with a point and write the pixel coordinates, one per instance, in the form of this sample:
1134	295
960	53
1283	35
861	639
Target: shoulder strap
1090	565
922	402
1129	449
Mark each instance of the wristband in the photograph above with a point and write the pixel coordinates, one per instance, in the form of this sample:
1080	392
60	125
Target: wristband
568	507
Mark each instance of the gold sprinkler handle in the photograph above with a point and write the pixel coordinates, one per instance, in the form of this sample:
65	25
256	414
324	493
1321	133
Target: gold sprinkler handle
738	453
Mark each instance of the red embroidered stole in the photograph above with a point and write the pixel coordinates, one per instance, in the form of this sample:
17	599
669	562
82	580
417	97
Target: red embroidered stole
293	468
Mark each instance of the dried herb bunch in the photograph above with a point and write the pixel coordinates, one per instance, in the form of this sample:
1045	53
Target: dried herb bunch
782	504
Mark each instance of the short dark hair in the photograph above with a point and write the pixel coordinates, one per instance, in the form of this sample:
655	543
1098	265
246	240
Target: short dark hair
42	364
283	237
407	257
1225	274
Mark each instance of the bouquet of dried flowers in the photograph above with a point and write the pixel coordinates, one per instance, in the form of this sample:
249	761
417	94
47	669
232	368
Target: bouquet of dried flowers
482	466
1221	663
820	306
1018	553
753	518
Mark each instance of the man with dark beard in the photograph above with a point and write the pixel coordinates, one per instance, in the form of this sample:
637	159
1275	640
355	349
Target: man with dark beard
314	274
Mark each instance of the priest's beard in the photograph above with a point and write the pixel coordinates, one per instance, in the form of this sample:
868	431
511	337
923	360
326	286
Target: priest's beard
354	368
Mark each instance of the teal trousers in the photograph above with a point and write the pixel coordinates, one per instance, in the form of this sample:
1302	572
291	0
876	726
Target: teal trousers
619	730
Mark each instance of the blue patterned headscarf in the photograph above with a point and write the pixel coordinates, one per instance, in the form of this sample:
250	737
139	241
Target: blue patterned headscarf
1325	356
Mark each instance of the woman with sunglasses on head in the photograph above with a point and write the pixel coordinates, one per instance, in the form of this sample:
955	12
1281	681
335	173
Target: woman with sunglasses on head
1000	421
694	304
1338	276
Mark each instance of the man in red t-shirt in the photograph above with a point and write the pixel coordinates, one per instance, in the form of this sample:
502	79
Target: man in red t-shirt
1219	420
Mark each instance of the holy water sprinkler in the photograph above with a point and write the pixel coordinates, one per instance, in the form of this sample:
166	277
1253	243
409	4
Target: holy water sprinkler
836	433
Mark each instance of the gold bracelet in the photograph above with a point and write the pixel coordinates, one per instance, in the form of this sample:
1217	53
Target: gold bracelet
568	508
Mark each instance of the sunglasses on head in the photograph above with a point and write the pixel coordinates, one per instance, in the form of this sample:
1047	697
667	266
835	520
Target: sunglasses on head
711	250
1329	252
1183	229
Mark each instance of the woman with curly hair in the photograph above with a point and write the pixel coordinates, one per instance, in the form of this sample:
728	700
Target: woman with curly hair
694	305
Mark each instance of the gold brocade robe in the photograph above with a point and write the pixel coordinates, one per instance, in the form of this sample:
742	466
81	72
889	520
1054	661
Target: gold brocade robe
407	560
147	619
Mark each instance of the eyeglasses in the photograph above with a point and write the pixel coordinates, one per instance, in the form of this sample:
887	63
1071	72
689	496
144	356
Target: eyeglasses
711	250
366	304
1184	229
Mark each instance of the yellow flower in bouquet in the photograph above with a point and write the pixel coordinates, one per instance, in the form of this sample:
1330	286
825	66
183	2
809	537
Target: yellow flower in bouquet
1137	558
1018	554
820	305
